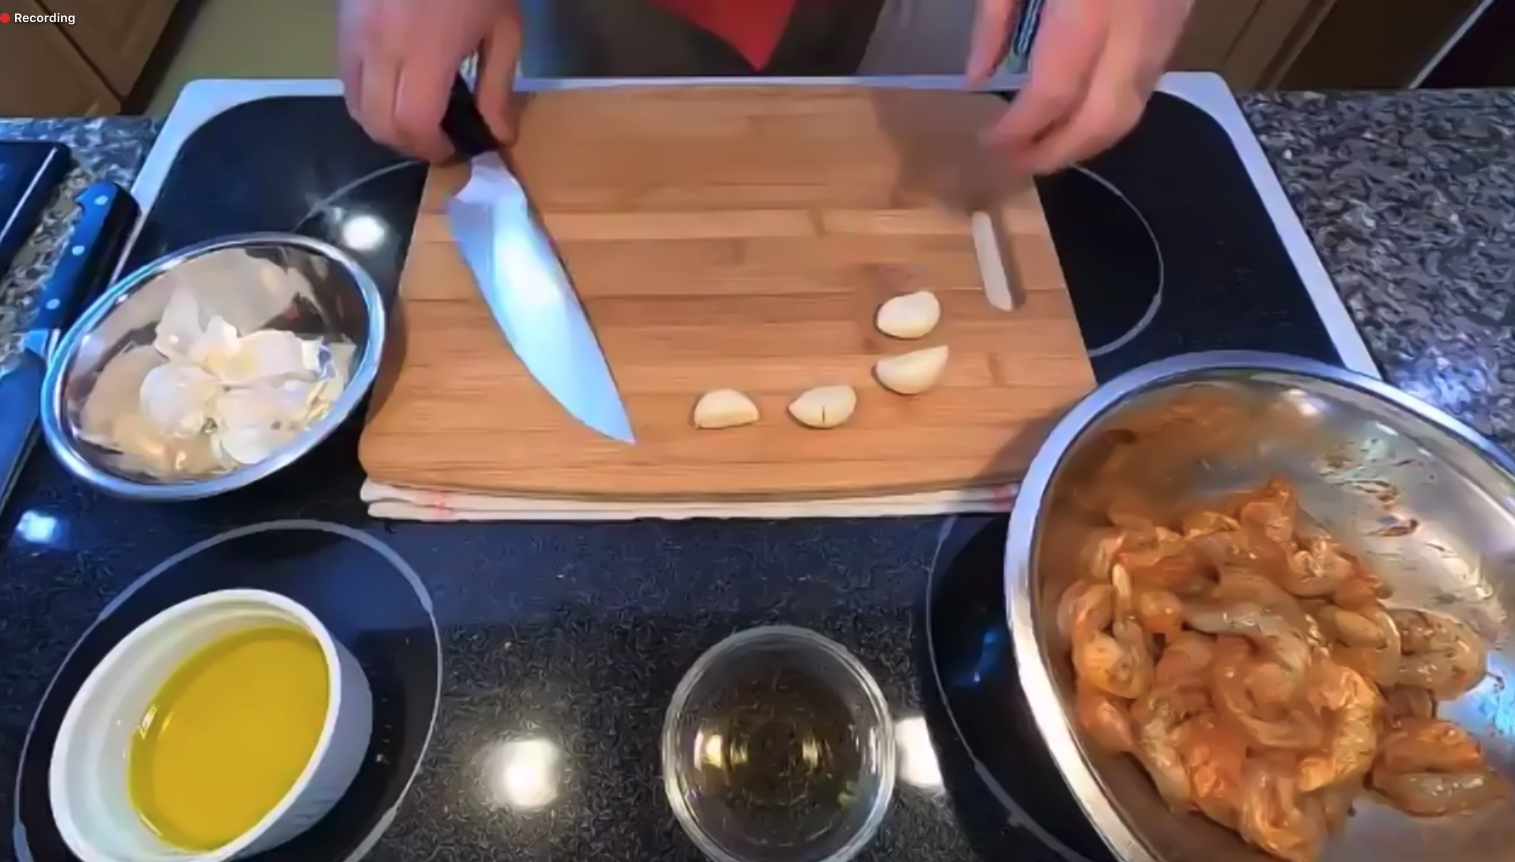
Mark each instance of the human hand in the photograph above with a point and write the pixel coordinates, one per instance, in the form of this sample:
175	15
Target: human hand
399	58
1093	66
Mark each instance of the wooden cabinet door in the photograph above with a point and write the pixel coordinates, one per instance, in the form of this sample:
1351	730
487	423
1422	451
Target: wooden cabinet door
58	83
116	36
1214	26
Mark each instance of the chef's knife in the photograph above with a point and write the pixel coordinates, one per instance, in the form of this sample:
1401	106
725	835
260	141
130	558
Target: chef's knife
522	279
107	214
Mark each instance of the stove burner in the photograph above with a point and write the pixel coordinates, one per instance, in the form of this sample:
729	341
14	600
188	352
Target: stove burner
1116	285
364	593
973	662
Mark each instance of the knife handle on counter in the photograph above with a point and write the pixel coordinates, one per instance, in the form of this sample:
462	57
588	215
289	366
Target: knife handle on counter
464	125
107	214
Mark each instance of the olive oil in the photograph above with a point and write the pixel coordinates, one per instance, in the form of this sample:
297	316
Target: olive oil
227	736
779	753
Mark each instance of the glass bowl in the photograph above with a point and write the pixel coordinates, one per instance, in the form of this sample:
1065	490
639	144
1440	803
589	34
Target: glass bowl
778	747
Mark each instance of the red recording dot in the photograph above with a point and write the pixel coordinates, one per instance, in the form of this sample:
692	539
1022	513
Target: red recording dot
5	18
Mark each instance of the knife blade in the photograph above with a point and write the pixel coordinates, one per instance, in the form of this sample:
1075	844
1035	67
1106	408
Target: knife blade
107	214
523	281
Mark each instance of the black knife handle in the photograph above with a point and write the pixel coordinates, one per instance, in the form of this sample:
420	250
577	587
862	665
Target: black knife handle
107	214
464	125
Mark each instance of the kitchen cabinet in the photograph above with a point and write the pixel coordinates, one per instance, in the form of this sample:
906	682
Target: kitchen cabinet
88	68
58	80
115	36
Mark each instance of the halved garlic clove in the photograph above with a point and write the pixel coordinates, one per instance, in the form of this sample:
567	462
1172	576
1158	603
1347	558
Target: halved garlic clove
911	316
724	408
824	406
912	373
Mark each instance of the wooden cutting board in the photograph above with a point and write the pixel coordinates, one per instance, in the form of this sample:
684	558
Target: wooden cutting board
738	237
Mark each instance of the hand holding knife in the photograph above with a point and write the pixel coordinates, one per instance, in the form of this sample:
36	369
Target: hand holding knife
107	215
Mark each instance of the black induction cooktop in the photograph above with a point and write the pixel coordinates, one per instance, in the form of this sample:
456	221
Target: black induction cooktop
1167	248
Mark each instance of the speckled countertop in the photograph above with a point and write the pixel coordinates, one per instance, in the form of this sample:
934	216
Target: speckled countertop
106	148
1409	197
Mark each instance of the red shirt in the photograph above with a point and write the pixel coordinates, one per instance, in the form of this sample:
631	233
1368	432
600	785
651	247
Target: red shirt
753	27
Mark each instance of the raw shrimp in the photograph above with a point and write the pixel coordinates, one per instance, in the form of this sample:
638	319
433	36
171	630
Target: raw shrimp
1097	554
1272	816
1197	522
1269	630
1215	756
1429	745
1434	794
1407	704
1105	719
1117	665
1069	606
1157	717
1336	804
1371	639
1441	654
1354	705
1185	661
1363	589
1297	730
1318	568
1162	559
1160	612
1238	584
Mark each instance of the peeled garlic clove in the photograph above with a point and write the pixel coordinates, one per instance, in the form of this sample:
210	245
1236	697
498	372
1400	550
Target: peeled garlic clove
175	397
910	316
824	406
724	408
912	373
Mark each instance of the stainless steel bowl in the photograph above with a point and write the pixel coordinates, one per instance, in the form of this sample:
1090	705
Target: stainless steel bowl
1424	498
343	301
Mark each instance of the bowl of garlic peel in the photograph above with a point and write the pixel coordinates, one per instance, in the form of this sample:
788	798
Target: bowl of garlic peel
214	367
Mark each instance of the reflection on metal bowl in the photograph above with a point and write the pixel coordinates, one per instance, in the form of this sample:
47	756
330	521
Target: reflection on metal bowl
1418	495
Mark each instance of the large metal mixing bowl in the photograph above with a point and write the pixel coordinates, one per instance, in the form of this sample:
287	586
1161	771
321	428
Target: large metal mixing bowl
1422	497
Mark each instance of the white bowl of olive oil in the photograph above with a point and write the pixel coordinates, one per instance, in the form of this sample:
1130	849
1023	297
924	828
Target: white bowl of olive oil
222	727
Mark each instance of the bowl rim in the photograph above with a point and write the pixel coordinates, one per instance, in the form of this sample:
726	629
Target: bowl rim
103	677
803	637
360	380
1025	518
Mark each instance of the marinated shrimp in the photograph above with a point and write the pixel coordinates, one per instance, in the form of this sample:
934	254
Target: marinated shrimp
1354	705
1116	665
1429	745
1270	631
1272	816
1441	654
1246	660
1437	794
1105	719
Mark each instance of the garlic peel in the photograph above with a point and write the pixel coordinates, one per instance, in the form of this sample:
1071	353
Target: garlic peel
912	373
910	316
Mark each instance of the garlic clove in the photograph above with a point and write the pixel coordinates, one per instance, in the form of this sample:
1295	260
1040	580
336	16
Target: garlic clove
824	406
724	408
912	373
911	316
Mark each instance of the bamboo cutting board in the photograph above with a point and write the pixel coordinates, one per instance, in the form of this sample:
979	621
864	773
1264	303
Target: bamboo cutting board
738	237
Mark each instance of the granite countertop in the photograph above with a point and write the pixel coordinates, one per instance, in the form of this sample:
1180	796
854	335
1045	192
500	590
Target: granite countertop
104	148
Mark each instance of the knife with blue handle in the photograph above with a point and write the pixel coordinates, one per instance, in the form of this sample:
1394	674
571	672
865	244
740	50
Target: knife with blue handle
522	279
107	215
